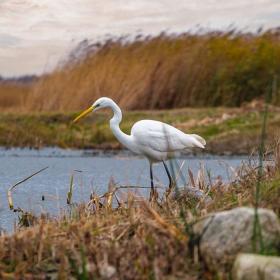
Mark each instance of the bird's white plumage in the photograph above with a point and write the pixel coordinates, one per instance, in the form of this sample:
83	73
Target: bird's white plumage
159	141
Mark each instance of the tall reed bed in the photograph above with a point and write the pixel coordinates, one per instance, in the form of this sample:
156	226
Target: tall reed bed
13	96
166	71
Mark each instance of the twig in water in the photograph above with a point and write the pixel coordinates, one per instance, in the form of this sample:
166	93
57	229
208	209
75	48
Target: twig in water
70	192
179	173
10	199
71	186
191	178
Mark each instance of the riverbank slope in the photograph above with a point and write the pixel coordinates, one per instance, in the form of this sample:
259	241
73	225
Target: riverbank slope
227	130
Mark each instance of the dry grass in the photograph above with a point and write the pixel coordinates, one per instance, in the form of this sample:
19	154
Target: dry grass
212	69
13	96
134	240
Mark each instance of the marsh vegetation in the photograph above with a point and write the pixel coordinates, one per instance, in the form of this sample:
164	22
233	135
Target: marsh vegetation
167	71
134	239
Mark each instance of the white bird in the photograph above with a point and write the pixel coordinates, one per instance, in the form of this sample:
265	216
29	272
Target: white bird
155	140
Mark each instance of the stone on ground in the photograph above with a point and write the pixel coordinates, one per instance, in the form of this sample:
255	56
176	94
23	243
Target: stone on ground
256	267
225	234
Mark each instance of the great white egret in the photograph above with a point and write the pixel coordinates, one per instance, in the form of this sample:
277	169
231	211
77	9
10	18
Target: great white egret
155	140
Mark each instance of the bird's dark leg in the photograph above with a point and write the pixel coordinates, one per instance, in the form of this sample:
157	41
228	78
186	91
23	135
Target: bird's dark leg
152	183
168	174
151	176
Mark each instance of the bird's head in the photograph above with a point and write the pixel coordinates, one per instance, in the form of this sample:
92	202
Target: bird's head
103	102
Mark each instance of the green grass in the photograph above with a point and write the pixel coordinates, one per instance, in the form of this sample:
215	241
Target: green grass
270	194
239	124
232	134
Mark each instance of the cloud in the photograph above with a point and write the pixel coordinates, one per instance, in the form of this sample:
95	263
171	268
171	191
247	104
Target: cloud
48	27
7	40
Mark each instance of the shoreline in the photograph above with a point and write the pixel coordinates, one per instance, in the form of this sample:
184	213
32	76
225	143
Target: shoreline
122	152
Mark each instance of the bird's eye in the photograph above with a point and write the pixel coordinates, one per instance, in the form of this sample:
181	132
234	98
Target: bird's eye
97	105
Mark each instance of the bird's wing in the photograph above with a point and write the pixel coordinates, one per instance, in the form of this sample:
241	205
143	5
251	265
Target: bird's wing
162	137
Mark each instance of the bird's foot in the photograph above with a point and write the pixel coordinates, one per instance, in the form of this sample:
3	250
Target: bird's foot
153	195
171	187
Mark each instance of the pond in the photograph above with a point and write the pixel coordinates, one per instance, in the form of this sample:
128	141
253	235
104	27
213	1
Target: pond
92	172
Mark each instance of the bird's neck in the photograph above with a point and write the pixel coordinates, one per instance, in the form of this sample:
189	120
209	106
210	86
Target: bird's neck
115	127
117	117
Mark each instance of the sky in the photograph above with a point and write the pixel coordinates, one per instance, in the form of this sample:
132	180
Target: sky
36	34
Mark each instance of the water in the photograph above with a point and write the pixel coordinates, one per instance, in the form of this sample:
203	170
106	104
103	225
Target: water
96	170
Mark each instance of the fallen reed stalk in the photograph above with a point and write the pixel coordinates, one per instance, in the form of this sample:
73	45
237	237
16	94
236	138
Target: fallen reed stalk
9	193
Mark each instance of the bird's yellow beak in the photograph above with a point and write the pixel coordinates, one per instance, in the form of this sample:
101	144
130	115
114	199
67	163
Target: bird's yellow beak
83	114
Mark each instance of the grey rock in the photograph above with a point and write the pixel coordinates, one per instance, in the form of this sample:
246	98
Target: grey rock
256	267
225	234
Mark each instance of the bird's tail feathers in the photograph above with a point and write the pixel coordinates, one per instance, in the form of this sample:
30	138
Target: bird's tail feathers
199	141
